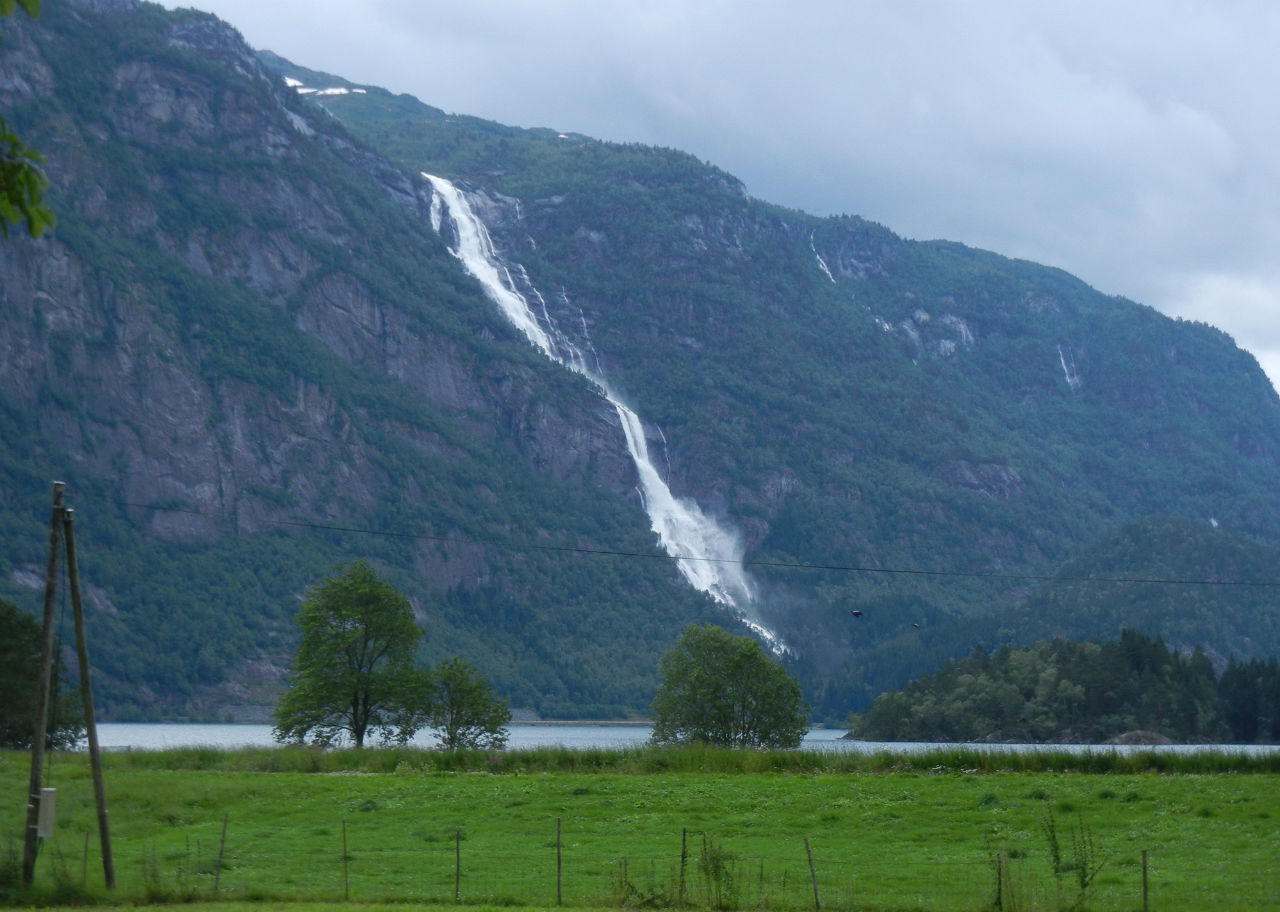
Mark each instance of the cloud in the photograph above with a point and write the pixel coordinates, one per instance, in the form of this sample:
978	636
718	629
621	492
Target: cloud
1244	305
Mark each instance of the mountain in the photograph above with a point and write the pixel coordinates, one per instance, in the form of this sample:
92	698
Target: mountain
255	348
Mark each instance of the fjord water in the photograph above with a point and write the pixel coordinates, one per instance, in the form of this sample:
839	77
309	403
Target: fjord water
163	735
587	735
708	555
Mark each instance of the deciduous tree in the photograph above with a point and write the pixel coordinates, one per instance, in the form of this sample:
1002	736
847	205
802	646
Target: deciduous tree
722	689
354	670
20	642
463	709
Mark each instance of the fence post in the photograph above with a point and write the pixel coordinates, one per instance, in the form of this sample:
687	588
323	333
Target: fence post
684	858
1144	880
222	846
457	863
346	865
559	868
813	875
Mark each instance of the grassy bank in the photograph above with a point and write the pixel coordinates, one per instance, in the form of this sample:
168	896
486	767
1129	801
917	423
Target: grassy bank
887	831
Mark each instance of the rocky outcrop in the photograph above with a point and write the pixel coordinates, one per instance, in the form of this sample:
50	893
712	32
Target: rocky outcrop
124	387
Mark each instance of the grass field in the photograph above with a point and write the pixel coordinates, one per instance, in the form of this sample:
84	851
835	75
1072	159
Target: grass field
889	833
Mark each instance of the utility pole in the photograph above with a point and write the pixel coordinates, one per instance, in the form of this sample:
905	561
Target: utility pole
86	697
32	845
61	531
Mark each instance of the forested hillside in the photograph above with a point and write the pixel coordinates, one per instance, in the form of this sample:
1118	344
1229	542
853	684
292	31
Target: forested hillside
250	351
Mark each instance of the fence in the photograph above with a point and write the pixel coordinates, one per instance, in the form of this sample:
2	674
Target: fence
353	861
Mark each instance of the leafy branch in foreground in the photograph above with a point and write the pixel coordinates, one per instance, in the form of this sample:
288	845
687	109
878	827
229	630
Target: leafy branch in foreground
22	181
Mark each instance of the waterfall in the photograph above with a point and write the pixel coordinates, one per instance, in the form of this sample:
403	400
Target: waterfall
1068	362
707	555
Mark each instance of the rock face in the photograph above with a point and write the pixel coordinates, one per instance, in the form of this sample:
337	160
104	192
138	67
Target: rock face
146	410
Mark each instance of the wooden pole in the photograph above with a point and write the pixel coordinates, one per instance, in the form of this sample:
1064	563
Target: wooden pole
31	847
346	865
457	863
86	697
1144	880
813	875
559	865
684	858
222	845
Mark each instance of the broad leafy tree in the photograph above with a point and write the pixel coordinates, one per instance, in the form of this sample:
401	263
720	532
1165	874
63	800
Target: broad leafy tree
354	670
22	182
20	646
462	708
722	689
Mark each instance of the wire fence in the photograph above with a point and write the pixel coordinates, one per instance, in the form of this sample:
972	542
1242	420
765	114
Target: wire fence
357	863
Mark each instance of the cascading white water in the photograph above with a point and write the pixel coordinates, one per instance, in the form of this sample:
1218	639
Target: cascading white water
707	555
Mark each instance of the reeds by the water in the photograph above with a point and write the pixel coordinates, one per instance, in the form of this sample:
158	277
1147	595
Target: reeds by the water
647	760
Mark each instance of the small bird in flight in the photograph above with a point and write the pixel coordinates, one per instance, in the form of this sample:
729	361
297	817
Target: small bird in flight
855	612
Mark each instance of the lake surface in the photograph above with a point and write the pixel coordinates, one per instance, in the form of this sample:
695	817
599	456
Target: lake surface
158	736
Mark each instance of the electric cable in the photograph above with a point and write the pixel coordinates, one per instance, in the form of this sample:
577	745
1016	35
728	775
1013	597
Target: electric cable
777	565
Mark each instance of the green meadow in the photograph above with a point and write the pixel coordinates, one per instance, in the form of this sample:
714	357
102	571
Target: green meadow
952	829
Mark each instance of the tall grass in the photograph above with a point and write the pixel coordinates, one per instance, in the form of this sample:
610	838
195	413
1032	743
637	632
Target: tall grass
648	760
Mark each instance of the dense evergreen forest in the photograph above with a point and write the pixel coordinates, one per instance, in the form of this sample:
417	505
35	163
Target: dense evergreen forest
1082	693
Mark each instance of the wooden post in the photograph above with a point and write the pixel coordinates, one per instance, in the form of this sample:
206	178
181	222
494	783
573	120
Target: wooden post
86	697
31	847
684	858
559	866
1144	880
222	845
346	865
457	863
813	875
1000	880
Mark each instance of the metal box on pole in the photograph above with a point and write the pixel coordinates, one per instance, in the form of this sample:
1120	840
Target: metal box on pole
44	822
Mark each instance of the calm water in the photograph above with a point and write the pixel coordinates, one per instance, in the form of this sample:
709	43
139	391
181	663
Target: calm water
156	736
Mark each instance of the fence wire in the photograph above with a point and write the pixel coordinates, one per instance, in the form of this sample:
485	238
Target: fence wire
543	871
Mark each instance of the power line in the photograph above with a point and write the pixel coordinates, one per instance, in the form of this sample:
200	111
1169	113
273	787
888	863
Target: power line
776	565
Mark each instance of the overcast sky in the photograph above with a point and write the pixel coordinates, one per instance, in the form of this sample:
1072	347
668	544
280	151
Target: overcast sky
1134	143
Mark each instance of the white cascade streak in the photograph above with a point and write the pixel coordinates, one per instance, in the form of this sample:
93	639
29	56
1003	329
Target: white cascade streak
707	555
1068	362
822	264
